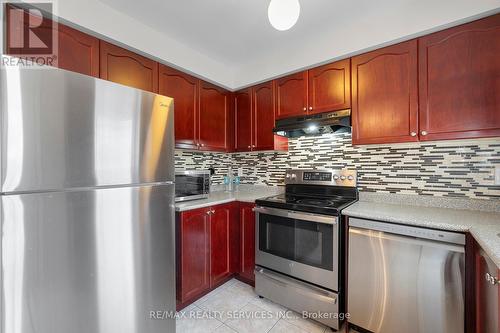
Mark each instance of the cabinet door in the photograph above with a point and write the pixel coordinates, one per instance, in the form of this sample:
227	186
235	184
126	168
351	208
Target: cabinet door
243	109
183	88
221	221
330	87
247	224
487	295
213	118
194	257
291	95
460	81
263	104
77	51
128	68
384	95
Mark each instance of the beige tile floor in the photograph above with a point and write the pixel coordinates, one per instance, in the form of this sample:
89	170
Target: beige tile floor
235	308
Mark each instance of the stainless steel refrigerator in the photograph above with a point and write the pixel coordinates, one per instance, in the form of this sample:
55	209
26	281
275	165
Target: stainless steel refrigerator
87	205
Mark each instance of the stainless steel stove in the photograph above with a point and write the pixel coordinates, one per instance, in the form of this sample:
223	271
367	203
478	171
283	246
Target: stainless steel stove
299	242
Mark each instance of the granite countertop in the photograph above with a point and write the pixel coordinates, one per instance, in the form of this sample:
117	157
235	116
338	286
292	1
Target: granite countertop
480	218
246	193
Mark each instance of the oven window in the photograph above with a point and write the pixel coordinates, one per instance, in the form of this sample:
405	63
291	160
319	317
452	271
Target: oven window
309	243
188	185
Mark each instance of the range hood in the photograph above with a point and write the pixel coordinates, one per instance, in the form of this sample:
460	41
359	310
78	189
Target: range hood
316	124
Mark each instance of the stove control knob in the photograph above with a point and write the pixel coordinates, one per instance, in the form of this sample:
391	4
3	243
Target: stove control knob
287	175
294	176
335	177
342	177
350	177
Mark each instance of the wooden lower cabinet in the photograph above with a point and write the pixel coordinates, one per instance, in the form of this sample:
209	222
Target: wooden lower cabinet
193	254
487	292
207	246
222	221
247	255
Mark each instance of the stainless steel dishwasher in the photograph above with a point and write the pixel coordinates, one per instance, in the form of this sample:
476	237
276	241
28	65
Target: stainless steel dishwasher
405	279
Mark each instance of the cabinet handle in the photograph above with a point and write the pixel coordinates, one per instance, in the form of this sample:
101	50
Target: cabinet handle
208	212
305	109
249	146
310	108
253	146
424	133
491	279
212	211
203	145
413	133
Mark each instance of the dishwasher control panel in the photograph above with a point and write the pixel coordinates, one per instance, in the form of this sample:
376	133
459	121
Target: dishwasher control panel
410	231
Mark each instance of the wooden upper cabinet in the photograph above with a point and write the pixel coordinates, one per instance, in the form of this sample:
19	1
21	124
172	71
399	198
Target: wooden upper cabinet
459	75
244	123
263	105
128	68
385	95
330	87
214	118
76	51
183	88
291	95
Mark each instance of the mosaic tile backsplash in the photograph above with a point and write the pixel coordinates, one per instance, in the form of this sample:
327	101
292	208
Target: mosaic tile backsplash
463	168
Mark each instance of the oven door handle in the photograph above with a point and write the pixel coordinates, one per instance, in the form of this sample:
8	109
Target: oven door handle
326	219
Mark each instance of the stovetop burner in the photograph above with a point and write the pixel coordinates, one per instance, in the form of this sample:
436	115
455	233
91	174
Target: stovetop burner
320	192
329	206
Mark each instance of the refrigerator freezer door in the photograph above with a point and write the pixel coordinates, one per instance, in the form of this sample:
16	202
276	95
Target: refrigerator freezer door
89	261
65	130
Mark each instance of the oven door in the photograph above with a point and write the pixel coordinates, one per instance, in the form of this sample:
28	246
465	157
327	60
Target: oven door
301	245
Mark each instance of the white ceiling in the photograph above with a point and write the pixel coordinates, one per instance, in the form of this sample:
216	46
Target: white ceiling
232	43
231	31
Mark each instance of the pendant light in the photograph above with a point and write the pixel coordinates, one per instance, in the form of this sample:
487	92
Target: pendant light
283	14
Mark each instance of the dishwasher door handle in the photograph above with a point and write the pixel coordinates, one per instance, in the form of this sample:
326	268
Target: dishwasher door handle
407	239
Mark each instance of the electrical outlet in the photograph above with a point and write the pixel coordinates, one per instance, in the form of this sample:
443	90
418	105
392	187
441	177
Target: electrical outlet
497	175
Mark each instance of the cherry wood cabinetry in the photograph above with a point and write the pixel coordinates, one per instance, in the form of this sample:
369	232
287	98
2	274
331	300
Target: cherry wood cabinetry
76	51
125	67
385	95
193	254
244	126
291	95
223	220
330	87
321	89
247	256
254	112
487	292
208	249
184	89
263	119
214	118
459	77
